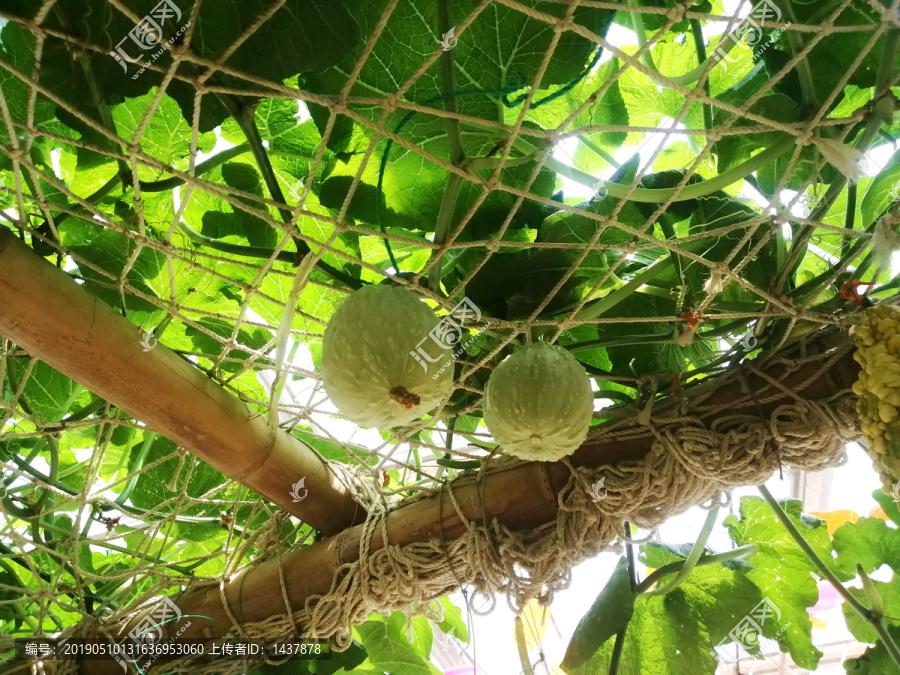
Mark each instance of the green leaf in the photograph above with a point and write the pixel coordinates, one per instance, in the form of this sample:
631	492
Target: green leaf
889	505
650	359
831	54
869	542
252	337
876	660
453	623
302	36
490	55
722	594
732	150
8	582
609	615
883	190
783	573
48	393
292	144
392	655
665	637
102	260
890	595
513	285
17	48
152	488
238	224
166	137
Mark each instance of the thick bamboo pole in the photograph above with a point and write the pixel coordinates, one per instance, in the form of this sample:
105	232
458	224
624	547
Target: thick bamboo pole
521	498
47	313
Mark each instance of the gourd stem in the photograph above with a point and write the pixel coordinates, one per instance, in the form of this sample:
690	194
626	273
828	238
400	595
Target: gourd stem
404	397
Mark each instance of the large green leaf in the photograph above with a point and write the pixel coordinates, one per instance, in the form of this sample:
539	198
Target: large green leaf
517	47
869	542
661	358
235	223
890	597
876	660
154	485
48	393
831	55
665	637
166	136
389	648
252	337
609	615
783	573
453	623
302	36
17	45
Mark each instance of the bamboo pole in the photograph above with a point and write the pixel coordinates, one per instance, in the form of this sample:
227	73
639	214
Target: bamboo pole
521	497
47	313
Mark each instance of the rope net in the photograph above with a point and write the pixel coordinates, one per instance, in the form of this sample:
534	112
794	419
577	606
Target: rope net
664	188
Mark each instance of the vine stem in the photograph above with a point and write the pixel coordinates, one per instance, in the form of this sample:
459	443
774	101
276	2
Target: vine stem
658	195
617	653
637	23
597	150
867	615
203	167
161	185
807	87
522	647
886	71
693	557
234	249
619	644
457	154
245	116
700	48
671	568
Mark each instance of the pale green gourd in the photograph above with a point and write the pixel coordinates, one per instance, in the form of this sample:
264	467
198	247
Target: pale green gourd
538	403
371	368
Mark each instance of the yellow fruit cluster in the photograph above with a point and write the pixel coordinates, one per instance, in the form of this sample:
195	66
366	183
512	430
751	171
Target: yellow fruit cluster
877	339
